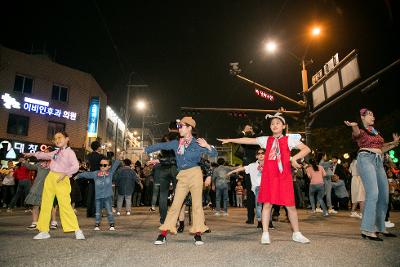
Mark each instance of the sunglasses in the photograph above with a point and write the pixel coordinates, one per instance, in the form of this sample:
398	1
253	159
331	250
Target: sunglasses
179	125
104	165
260	153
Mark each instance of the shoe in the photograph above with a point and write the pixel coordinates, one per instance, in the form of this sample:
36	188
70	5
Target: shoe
118	213
312	211
207	231
225	214
79	235
152	209
259	224
198	241
319	210
270	225
325	214
9	210
387	234
97	227
181	227
128	213
354	214
389	224
4	205
53	225
332	211
298	237
373	238
112	228
217	214
31	227
249	222
42	235
27	210
160	240
265	238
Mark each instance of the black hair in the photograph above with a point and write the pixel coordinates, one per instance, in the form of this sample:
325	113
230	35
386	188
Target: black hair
263	149
127	162
313	164
362	127
220	161
105	158
64	133
284	123
95	145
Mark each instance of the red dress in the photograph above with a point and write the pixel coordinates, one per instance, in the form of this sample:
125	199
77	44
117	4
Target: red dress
277	188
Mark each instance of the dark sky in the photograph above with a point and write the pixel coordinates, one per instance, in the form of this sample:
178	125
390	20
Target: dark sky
182	49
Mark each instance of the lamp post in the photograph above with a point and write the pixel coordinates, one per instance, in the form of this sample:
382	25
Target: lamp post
141	106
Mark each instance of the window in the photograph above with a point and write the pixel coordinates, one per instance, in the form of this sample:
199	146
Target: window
110	128
54	127
23	84
17	124
59	93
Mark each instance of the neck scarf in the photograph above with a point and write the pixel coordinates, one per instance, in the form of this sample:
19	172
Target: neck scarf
183	144
275	153
101	173
372	130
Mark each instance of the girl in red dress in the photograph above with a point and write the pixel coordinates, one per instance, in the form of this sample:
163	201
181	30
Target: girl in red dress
276	179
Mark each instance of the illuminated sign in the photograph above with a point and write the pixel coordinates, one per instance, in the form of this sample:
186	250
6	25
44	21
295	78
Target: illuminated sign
264	95
13	147
37	106
93	120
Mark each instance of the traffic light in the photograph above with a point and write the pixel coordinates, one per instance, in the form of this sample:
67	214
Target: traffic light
392	155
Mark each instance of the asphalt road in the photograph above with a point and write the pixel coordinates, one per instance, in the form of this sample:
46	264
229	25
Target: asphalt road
335	241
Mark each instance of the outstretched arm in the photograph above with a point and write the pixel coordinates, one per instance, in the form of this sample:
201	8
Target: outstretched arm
243	141
354	127
388	146
87	175
239	169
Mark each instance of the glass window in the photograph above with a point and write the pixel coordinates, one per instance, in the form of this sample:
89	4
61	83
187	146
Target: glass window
53	128
17	124
59	93
23	84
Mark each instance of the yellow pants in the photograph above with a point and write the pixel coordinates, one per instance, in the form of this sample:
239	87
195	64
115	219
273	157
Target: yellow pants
190	180
62	190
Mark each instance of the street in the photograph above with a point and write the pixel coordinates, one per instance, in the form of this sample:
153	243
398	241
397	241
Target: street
335	241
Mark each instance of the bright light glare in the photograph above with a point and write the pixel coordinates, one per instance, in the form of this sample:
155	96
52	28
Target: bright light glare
135	132
141	105
270	47
316	31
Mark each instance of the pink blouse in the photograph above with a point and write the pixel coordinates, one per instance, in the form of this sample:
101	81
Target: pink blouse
316	177
62	160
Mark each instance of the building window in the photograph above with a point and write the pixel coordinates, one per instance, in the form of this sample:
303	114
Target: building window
54	127
17	124
23	84
110	128
59	93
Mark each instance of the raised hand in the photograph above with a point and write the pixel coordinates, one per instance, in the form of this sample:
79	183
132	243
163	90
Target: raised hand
351	124
202	142
224	141
152	162
396	138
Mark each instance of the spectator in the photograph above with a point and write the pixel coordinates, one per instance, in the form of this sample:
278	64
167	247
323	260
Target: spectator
8	185
221	183
357	190
125	180
341	197
239	194
21	174
94	165
316	173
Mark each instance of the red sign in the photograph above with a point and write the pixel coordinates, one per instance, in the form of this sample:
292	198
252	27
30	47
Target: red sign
264	95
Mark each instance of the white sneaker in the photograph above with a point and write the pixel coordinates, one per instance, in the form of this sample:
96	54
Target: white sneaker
354	214
298	237
79	235
217	214
42	235
112	228
265	238
118	213
128	213
319	210
225	214
332	211
389	224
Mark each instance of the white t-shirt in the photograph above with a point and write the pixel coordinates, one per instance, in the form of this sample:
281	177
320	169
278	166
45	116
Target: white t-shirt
255	175
293	141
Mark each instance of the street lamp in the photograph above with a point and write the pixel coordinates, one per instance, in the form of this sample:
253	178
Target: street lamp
141	106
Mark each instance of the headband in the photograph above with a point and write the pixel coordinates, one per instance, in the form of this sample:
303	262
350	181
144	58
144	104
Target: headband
277	115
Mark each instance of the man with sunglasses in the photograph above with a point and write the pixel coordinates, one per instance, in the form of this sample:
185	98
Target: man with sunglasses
188	153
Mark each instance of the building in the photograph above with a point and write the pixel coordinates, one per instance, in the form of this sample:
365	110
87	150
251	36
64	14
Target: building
40	97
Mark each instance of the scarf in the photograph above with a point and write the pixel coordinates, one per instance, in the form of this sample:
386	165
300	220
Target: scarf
372	130
183	144
275	153
101	173
260	166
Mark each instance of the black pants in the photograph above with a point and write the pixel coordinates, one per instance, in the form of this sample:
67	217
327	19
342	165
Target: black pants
91	201
251	199
276	211
340	203
8	193
166	175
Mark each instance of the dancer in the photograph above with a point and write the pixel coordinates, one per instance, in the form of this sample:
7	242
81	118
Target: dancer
370	167
316	173
276	180
188	153
62	166
34	197
103	188
255	170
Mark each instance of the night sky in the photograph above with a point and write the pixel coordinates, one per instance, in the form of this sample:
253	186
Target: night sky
182	50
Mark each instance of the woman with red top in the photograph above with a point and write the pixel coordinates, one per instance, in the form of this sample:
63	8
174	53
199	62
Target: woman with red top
276	179
370	167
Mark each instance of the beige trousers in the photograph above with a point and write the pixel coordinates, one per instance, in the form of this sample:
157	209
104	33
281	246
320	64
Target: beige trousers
190	180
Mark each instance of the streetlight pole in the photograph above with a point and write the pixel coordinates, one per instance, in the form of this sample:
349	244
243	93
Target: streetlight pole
141	155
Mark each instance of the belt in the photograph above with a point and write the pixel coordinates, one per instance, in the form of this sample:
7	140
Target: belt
367	151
